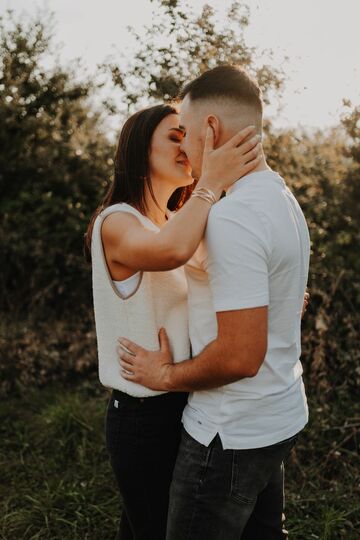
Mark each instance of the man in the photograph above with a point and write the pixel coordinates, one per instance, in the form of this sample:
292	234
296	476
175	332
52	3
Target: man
246	287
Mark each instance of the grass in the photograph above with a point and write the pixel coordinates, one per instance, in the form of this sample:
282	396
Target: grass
323	478
56	482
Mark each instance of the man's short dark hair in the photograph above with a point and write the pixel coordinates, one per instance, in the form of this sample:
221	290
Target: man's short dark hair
225	82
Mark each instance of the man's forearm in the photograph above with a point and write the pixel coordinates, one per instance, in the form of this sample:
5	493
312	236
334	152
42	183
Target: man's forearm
209	369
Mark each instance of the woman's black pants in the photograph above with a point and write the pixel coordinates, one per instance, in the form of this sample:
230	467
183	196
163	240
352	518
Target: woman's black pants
142	439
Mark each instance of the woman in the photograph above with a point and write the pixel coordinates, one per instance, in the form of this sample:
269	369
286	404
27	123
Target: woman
137	251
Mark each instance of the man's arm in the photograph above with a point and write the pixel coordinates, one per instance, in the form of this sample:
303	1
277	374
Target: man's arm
238	352
237	266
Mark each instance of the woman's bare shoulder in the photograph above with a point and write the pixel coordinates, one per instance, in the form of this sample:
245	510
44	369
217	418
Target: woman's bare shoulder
118	222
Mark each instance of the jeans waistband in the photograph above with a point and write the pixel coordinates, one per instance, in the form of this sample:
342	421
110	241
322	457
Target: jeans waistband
168	396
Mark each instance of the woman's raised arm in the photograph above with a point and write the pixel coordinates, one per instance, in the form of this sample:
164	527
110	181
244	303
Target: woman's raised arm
130	244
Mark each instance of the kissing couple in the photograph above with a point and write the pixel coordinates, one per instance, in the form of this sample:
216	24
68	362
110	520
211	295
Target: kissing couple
198	301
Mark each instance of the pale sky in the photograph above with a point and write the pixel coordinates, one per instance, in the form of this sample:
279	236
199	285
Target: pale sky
320	38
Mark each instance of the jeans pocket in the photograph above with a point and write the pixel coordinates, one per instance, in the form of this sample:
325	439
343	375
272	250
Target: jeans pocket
242	481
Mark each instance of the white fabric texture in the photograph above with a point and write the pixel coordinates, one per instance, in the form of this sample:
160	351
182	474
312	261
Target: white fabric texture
255	253
160	300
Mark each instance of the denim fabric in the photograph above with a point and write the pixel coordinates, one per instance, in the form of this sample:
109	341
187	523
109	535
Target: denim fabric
142	439
221	494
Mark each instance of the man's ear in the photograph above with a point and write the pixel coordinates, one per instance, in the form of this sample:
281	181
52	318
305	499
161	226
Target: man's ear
214	123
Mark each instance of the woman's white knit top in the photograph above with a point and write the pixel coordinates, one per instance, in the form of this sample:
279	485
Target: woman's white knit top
160	300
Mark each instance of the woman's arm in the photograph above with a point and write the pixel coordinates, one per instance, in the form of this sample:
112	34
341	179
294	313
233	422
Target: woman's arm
128	243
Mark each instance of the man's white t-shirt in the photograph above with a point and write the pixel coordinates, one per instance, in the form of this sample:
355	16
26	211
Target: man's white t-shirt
255	252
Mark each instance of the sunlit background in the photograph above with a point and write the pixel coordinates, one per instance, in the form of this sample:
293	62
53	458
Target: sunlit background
316	42
57	135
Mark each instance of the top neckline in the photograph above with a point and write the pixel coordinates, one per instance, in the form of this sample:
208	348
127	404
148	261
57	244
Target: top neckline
249	178
167	213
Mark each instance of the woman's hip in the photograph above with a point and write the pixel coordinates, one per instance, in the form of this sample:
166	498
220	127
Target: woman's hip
143	426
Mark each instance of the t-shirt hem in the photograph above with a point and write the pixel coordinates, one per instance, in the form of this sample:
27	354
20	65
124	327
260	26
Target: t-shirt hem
238	443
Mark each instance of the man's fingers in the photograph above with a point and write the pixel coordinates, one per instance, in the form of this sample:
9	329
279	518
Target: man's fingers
128	346
128	376
129	358
120	350
125	365
239	137
164	340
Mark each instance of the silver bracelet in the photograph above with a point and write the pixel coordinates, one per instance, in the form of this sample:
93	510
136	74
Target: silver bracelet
205	194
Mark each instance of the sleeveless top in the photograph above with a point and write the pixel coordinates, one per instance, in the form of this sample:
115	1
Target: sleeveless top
159	300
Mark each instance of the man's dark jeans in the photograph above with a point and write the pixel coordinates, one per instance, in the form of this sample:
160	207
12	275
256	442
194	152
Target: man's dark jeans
221	494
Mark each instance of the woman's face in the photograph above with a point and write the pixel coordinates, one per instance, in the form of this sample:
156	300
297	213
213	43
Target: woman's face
167	162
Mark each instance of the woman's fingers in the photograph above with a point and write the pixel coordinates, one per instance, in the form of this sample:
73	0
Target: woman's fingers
240	137
231	161
250	165
249	144
246	151
251	154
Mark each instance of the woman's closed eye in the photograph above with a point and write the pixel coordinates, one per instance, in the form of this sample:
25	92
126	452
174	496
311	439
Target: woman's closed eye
176	139
176	135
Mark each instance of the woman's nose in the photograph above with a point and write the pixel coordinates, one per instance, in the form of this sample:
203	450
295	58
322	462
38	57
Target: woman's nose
182	151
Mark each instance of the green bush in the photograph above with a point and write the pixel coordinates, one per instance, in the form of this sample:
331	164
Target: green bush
323	170
54	162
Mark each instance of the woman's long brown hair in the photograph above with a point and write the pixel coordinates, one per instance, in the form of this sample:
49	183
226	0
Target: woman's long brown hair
131	167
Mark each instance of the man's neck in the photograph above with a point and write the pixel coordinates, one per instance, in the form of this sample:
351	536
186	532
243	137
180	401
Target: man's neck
262	166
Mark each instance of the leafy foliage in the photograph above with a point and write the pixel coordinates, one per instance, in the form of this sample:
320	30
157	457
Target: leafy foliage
54	161
321	172
180	45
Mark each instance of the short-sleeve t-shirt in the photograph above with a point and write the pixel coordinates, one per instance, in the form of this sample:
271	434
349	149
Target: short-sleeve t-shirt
255	253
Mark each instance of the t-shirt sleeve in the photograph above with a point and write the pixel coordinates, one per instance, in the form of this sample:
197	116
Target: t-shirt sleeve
237	254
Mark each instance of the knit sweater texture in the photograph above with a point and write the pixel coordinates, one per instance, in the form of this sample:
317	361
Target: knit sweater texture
160	300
